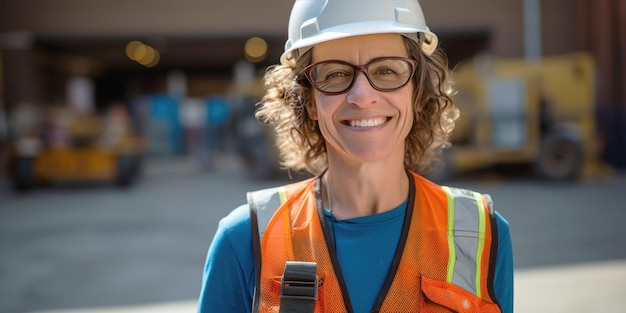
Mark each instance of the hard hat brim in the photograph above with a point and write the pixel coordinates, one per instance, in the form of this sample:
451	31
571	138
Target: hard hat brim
358	29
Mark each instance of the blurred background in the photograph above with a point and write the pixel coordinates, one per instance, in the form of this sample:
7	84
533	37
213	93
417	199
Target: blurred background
127	131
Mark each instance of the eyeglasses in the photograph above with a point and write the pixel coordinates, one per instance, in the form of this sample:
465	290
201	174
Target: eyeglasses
333	77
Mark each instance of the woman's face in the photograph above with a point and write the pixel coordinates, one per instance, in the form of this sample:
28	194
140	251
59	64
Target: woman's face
363	124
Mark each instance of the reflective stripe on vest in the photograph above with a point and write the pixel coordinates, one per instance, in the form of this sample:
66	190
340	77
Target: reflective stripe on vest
265	203
466	214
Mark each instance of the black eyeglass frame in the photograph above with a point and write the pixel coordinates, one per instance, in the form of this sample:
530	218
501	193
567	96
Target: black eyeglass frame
362	68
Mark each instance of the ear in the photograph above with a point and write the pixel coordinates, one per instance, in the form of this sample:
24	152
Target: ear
311	109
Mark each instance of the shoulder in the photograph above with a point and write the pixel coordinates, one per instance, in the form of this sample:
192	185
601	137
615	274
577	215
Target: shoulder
228	280
234	231
504	233
265	202
448	193
232	243
502	222
237	221
427	186
504	266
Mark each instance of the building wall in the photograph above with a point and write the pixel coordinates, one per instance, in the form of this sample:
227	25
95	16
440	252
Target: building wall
502	19
144	17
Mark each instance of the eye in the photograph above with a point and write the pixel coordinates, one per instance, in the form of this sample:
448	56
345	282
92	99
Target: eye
333	71
384	71
336	74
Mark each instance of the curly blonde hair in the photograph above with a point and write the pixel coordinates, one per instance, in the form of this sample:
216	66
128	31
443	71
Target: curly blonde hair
298	137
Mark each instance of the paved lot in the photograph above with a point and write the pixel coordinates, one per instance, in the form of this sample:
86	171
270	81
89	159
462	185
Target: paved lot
99	249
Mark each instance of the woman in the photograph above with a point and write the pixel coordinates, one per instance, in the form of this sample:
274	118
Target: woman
361	100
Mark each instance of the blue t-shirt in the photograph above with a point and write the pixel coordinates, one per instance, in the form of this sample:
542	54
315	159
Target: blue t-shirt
365	249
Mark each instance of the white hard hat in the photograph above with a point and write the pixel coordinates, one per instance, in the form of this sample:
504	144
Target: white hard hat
315	21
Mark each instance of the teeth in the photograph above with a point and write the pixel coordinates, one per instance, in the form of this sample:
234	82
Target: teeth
368	123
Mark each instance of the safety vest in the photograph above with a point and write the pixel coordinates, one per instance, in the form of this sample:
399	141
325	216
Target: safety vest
444	261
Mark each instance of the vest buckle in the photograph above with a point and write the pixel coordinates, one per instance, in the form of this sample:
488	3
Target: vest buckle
299	281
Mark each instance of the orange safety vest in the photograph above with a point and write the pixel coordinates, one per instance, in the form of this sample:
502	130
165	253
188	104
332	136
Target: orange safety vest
444	261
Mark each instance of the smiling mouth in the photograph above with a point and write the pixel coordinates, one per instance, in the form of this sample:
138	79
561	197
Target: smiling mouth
372	122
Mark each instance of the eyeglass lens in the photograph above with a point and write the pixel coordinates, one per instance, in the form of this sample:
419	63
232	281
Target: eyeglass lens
383	74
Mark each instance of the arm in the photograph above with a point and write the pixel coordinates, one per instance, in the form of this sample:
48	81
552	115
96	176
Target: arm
503	280
228	279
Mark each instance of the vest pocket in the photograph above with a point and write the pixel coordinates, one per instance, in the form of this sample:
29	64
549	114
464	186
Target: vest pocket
439	296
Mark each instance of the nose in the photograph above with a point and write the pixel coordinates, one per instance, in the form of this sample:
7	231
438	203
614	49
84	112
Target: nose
362	93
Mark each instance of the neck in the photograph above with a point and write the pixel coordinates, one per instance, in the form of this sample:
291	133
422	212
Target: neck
364	190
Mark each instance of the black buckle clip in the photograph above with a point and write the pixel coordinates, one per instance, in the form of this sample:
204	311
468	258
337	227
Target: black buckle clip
299	281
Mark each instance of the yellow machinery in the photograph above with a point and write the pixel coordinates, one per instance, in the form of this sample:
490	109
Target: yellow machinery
76	148
519	112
